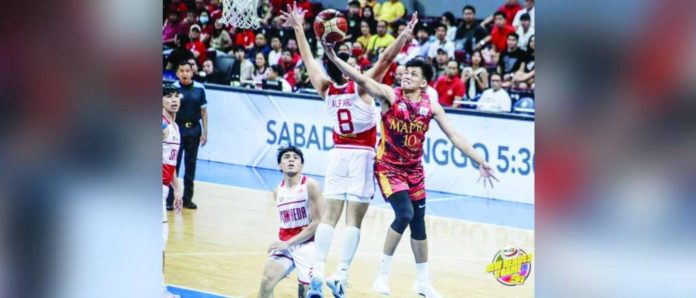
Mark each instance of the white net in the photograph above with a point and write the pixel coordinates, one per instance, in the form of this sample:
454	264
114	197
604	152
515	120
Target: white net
240	13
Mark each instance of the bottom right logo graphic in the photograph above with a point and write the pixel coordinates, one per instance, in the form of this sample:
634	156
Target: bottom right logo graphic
511	266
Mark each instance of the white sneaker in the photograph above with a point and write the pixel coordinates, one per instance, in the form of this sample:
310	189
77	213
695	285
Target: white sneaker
381	283
426	289
315	290
337	284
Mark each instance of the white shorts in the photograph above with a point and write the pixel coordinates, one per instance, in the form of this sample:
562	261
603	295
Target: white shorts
298	256
350	175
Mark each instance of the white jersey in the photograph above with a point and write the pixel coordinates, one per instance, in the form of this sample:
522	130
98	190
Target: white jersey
354	121
170	148
293	208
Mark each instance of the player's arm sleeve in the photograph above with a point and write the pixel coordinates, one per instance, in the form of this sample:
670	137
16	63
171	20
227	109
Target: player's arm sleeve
458	140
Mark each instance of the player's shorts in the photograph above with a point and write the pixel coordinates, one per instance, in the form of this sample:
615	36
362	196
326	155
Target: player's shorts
350	175
299	256
392	179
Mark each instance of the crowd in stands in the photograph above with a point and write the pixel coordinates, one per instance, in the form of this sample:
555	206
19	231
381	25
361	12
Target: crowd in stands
478	62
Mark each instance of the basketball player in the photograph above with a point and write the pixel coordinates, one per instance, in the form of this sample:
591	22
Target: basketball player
170	148
298	199
406	114
349	174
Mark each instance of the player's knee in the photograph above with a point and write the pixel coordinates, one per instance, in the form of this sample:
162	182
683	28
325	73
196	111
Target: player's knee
418	229
401	220
267	282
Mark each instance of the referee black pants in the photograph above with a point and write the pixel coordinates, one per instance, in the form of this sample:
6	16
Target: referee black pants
189	151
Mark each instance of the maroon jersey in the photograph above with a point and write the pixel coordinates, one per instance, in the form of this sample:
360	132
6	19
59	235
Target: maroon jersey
403	130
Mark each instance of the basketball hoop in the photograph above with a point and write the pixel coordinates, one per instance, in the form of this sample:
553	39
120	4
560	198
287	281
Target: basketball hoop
240	13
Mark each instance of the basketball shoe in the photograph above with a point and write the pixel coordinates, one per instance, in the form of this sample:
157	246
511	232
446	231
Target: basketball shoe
315	290
337	283
381	283
425	288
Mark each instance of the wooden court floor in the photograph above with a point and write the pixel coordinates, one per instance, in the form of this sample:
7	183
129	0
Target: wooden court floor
221	248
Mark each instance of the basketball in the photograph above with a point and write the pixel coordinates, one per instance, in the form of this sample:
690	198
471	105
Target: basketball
330	26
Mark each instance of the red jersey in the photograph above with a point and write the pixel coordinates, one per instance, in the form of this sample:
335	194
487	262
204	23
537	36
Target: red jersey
403	130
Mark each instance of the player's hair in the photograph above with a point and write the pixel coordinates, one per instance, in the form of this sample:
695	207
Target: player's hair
169	88
470	7
290	148
333	71
499	13
426	68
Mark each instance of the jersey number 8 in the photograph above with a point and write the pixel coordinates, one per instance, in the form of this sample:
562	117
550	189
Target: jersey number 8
345	121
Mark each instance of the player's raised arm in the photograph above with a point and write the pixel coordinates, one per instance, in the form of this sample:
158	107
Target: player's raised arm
295	18
371	87
462	143
380	68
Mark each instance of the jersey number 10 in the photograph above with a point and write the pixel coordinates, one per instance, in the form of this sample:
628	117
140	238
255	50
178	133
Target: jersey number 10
345	121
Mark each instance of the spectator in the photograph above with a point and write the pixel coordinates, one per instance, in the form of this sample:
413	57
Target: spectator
365	34
243	37
343	48
220	40
391	11
511	60
260	68
509	9
379	41
302	79
177	6
215	9
276	51
528	9
360	55
294	50
499	34
275	81
524	78
307	6
449	86
423	40
192	120
495	99
171	28
410	50
194	70
289	63
195	45
440	62
448	20
206	27
368	16
242	69
475	77
398	74
441	42
260	46
200	6
276	6
354	20
189	20
279	29
524	31
180	53
354	63
469	32
209	75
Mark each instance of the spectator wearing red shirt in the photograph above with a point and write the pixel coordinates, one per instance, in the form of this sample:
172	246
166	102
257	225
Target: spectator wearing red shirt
449	86
177	6
206	27
289	63
360	55
499	34
509	8
243	37
307	6
196	46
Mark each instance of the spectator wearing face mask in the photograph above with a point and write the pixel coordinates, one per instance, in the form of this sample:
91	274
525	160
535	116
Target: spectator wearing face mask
207	27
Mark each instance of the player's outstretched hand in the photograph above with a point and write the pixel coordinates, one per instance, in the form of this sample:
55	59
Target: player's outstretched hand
277	245
294	17
486	173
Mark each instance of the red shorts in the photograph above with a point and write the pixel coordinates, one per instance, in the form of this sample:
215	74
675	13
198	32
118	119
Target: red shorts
392	179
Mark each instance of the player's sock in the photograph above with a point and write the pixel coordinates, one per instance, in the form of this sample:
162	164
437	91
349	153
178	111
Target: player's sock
349	247
385	265
322	242
422	272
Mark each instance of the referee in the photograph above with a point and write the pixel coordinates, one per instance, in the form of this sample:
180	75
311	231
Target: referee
192	119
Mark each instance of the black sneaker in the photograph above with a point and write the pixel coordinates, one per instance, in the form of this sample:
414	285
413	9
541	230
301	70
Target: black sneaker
190	205
170	208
